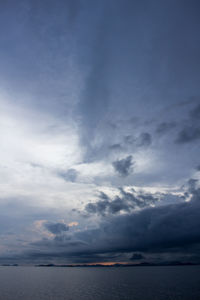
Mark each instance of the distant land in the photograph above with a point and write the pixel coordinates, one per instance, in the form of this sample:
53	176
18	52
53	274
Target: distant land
109	265
121	265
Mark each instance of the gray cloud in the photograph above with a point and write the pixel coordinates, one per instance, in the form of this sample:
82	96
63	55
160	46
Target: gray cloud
192	185
112	77
195	113
56	228
125	202
144	139
123	166
116	147
129	139
165	127
171	229
191	127
188	135
69	175
137	256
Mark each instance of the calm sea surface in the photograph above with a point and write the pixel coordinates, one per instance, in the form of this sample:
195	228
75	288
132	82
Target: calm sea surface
100	283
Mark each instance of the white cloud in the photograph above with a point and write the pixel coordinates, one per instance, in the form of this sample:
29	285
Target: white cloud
34	147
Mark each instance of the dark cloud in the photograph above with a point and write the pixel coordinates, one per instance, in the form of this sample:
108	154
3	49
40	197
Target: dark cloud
129	139
125	202
56	228
123	166
90	68
103	196
144	139
172	229
95	96
137	256
116	147
98	207
190	131
195	113
117	205
164	127
188	135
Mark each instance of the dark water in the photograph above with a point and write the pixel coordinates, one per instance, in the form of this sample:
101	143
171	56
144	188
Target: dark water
100	283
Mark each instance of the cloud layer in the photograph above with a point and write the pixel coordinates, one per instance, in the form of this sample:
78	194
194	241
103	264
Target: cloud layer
99	130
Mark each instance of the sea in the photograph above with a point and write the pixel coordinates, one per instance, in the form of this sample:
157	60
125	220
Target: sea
78	283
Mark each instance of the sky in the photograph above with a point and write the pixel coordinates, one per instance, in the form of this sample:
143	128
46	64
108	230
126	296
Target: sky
100	131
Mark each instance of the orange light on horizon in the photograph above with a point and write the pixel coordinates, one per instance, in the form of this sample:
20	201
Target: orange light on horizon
109	263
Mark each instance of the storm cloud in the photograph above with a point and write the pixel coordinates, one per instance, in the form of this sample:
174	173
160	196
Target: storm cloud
188	134
144	139
124	202
154	230
191	130
165	127
137	256
99	130
56	228
123	166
